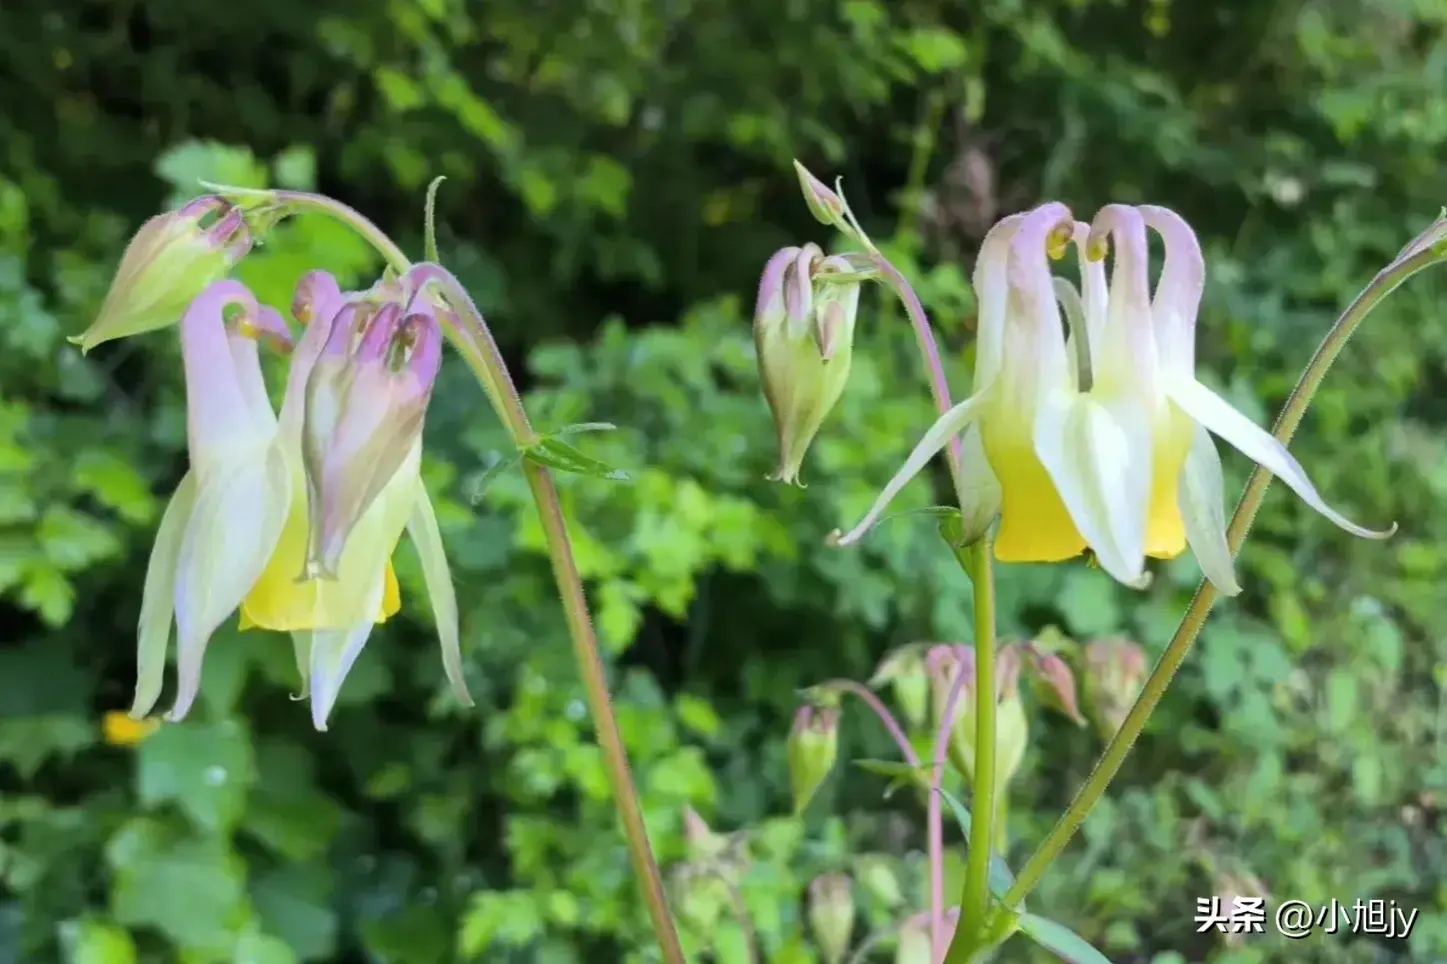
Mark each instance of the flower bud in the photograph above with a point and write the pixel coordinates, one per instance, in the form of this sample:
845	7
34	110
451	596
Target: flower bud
1115	671
826	206
1011	726
169	261
365	401
804	339
831	916
813	745
701	898
1054	682
913	946
905	671
876	873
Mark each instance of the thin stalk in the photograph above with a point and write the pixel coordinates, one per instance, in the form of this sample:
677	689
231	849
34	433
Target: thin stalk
1413	259
475	343
896	731
975	899
934	819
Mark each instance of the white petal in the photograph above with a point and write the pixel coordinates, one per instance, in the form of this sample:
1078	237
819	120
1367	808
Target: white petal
1093	285
1202	499
1178	292
157	606
1254	442
218	414
333	652
945	428
991	283
979	492
427	537
1126	361
1099	457
238	517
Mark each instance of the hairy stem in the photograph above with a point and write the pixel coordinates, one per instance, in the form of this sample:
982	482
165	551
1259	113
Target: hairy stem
468	331
1414	258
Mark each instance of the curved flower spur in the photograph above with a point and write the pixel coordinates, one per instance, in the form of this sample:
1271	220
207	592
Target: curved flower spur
293	518
1101	440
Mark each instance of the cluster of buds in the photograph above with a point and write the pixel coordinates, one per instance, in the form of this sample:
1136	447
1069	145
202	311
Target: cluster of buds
705	885
804	337
1115	671
812	748
946	665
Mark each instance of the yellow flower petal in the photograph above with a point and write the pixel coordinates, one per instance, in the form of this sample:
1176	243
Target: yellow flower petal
119	729
1035	526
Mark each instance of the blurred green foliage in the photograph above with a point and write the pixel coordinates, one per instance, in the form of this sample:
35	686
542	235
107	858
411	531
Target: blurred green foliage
618	173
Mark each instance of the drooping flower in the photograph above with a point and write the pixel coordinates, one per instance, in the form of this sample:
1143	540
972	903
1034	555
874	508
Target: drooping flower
804	339
170	260
238	531
812	749
352	422
1102	440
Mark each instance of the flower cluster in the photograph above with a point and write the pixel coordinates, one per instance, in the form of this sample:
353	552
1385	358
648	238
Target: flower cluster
1087	429
290	517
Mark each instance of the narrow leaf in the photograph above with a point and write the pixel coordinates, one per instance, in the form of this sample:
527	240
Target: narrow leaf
481	480
1060	940
578	428
557	454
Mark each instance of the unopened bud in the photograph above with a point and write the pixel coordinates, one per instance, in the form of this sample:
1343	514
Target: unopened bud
876	874
831	916
804	340
701	897
913	946
170	260
826	206
365	401
702	843
1054	683
813	746
904	670
1115	672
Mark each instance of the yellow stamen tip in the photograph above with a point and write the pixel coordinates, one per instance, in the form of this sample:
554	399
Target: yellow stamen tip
119	729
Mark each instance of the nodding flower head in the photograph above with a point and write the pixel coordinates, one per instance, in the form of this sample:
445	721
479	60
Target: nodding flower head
171	260
1098	440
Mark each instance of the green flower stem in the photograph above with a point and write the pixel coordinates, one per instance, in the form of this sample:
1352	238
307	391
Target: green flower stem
1413	259
975	899
475	343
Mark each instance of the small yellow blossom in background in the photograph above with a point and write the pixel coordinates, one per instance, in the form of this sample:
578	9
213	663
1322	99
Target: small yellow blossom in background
118	729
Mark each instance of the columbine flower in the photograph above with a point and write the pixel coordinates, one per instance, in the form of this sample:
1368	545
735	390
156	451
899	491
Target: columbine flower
241	530
804	338
168	262
1102	440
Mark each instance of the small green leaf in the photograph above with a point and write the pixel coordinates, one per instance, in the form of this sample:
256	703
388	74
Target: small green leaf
578	428
898	773
557	454
1001	877
1060	940
479	482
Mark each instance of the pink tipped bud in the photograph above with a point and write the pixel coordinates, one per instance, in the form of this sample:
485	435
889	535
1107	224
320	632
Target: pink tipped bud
803	336
812	748
366	398
1011	727
826	206
170	260
904	670
1054	683
831	915
1115	672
